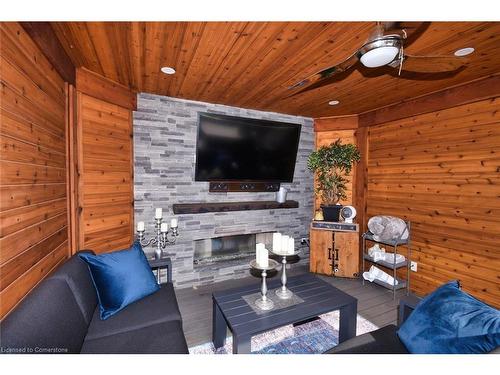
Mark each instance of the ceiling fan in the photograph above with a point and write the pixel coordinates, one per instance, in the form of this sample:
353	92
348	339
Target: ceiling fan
385	47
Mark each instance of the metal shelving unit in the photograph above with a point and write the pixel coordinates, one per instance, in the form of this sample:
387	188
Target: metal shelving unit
368	236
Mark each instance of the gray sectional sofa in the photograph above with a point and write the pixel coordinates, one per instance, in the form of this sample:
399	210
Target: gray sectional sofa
61	315
383	340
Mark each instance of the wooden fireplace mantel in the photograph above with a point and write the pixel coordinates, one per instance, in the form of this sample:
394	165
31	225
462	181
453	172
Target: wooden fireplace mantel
201	208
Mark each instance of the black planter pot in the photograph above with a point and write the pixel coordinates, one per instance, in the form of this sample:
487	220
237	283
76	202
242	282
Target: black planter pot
331	213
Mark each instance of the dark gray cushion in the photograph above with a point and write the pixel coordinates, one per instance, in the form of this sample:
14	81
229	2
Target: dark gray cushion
381	341
77	275
47	320
159	338
158	307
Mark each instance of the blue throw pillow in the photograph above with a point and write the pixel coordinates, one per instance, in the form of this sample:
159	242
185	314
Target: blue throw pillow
453	322
120	278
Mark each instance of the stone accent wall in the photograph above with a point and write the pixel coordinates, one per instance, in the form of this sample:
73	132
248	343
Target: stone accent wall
164	149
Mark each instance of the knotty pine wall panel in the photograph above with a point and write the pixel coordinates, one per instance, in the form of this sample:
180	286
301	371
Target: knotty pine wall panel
325	138
33	199
440	170
105	187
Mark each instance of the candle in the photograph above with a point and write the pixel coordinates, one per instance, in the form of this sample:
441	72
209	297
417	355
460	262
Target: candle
173	223
276	242
258	253
265	258
291	245
164	227
140	226
259	248
262	255
284	244
158	213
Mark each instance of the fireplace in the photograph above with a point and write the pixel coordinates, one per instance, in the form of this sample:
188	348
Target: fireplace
226	248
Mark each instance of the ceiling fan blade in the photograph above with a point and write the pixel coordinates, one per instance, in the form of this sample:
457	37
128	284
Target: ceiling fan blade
315	80
433	64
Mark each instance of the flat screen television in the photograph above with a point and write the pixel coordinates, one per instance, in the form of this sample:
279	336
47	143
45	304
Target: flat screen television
232	148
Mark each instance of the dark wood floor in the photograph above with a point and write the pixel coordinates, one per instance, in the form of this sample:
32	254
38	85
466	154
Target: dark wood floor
374	303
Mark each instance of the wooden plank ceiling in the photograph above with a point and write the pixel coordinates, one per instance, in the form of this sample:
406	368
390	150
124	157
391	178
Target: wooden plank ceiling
251	64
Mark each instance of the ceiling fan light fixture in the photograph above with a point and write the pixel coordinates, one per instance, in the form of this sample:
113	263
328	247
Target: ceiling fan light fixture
379	56
168	70
333	102
464	51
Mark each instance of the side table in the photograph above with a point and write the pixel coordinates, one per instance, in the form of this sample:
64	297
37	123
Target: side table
158	264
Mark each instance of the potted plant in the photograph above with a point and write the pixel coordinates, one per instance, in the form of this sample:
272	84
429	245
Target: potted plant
332	165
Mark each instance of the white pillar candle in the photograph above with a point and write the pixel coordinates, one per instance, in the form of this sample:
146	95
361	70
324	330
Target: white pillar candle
258	253
158	213
261	254
140	226
291	245
173	223
265	258
276	242
284	244
164	227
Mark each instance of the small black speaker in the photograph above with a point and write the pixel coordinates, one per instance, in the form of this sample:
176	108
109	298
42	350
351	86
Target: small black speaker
272	186
247	186
218	187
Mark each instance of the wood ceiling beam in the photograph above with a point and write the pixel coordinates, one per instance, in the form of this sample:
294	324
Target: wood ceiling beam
469	92
324	124
45	38
99	87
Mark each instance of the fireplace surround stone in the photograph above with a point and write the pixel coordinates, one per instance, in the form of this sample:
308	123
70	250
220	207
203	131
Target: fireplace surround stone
164	159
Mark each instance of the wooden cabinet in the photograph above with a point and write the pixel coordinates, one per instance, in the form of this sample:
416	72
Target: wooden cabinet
334	253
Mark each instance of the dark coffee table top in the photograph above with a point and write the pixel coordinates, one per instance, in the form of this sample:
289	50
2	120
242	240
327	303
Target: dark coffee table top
319	298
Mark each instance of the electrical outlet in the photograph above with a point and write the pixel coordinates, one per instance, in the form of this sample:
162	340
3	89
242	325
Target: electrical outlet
413	266
304	241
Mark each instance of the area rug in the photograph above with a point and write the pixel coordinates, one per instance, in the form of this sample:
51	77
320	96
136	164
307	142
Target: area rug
314	337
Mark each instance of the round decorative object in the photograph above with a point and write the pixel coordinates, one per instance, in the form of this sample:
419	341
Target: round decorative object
348	213
272	265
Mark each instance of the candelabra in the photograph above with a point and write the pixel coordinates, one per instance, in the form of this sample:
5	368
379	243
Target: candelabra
164	236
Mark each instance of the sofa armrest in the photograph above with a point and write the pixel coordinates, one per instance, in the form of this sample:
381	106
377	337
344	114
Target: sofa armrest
406	306
162	263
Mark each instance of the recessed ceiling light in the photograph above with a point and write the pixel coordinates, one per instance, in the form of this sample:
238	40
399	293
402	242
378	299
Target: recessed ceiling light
333	102
464	51
168	70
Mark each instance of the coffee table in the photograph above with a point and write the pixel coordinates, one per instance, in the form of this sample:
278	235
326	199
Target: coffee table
231	311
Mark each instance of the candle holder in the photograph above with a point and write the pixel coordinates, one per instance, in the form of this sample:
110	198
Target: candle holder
263	302
284	292
161	240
